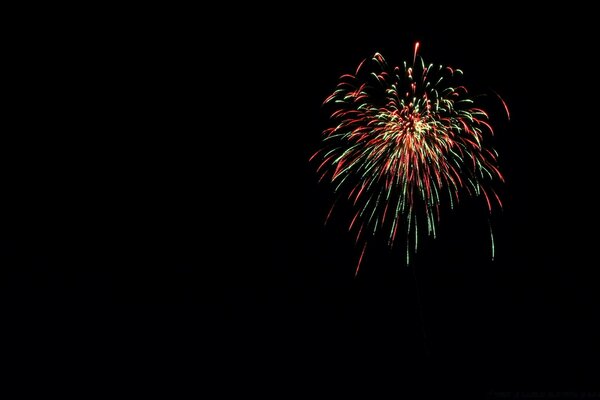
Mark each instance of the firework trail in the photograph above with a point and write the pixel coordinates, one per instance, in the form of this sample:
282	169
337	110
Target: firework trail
405	141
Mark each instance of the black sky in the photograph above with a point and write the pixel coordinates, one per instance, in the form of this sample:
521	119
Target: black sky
161	222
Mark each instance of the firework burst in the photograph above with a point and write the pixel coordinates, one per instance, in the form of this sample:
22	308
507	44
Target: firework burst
405	141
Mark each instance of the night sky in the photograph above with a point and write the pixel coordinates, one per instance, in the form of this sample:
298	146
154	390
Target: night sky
162	227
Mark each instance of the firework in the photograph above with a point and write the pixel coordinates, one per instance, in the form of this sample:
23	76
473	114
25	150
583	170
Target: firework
404	142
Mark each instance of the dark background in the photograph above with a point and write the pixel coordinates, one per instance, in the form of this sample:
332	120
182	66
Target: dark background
161	225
